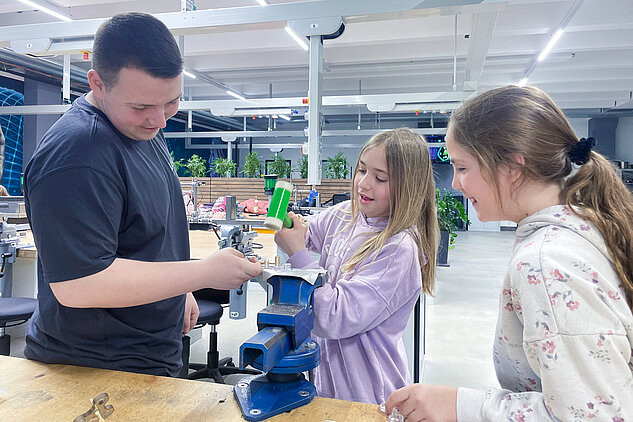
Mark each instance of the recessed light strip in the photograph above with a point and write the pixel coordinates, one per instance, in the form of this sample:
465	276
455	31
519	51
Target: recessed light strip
297	39
235	94
188	74
550	44
46	10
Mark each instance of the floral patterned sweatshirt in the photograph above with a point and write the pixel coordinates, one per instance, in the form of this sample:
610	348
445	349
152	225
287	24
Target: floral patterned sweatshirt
564	339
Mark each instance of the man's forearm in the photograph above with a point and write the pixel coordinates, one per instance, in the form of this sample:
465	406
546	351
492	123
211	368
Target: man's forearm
129	283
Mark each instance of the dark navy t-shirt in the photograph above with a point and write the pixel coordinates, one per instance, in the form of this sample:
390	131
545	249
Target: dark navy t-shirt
93	195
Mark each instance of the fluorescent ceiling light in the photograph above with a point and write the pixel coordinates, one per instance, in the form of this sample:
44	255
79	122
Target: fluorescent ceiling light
262	2
550	44
253	112
235	94
189	74
522	82
46	10
431	107
283	116
297	39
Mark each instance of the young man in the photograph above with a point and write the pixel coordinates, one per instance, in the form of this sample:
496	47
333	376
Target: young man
106	210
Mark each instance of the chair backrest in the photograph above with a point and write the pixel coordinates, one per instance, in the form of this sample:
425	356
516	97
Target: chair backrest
16	309
340	197
220	296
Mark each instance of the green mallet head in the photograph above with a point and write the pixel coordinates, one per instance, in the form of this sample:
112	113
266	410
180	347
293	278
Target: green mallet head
278	208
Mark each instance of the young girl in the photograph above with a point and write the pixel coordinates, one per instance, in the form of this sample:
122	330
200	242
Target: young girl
379	252
564	341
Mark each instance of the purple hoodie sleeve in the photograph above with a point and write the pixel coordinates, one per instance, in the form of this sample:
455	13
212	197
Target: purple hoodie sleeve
302	259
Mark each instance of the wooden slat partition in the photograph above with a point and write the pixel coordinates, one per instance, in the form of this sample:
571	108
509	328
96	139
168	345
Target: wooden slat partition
245	188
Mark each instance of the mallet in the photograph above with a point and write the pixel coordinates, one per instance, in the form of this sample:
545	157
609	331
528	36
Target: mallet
278	208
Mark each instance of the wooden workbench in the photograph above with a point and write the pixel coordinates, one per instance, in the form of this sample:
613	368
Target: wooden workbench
31	391
202	243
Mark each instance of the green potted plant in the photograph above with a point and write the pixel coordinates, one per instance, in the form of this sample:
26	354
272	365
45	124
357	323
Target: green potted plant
279	166
224	167
197	166
178	164
336	167
450	212
252	165
303	167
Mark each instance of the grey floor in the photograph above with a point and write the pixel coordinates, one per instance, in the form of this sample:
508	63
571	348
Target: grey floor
460	322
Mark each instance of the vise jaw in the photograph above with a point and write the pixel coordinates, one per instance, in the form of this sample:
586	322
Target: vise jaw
282	348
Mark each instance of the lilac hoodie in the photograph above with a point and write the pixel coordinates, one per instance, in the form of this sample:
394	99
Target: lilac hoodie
360	316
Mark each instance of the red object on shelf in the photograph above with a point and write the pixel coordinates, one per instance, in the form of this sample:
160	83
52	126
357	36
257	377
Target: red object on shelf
304	100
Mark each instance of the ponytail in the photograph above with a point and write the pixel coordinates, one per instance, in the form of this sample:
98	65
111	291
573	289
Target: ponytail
599	196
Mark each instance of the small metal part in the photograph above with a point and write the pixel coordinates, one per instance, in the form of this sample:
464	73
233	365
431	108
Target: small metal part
255	412
304	393
99	410
303	220
394	416
277	261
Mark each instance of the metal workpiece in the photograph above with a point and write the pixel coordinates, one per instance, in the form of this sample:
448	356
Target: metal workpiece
308	275
282	348
232	236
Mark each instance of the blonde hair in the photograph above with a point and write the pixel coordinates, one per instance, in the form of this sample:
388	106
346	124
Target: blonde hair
511	120
411	200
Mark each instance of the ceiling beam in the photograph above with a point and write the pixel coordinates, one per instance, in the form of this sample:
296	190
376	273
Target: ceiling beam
483	25
200	21
378	102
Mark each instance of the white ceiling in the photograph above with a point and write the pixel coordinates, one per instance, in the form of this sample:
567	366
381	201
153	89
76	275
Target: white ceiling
407	51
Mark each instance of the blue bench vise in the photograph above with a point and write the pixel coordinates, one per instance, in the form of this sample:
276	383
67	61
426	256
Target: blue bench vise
282	348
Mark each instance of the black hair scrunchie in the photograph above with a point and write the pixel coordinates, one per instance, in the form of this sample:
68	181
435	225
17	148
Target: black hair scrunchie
579	154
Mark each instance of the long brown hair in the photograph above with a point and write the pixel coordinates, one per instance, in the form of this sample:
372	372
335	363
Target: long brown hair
411	200
503	122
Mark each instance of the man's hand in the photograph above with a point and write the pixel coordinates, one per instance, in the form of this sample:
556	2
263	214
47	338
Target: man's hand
191	314
229	269
420	402
293	240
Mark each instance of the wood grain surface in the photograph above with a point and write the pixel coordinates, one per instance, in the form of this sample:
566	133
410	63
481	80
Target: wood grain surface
31	391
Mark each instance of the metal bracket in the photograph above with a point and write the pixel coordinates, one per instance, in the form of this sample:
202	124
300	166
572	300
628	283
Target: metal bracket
34	46
99	410
316	26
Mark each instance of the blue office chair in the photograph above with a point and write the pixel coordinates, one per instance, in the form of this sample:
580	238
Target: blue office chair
13	311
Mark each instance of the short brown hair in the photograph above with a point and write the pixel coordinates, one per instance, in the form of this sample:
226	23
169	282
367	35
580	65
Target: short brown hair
135	40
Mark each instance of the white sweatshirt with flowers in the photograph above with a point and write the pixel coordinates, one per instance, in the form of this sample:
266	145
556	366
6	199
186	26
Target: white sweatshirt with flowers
564	342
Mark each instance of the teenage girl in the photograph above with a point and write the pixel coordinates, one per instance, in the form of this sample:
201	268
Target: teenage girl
379	251
563	347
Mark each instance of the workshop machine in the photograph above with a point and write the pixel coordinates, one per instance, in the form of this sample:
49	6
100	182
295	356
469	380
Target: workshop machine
10	241
282	348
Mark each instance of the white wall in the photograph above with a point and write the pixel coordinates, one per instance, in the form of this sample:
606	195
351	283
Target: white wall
580	126
624	139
